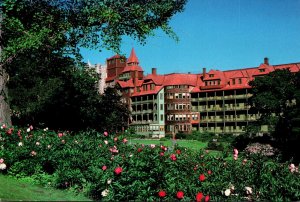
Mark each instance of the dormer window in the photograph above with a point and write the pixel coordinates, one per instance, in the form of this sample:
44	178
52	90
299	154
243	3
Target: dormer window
211	75
262	70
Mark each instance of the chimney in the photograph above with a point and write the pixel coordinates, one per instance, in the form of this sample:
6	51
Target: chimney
154	71
135	78
266	61
204	72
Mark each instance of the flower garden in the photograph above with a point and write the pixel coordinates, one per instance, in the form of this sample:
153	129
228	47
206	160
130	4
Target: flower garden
105	167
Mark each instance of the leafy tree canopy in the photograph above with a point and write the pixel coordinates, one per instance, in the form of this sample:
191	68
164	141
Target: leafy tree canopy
66	25
276	98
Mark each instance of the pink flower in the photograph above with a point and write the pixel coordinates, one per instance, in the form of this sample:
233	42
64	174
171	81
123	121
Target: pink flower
180	194
33	153
161	153
173	157
113	149
31	127
1	161
202	177
152	146
105	133
60	135
293	168
115	139
235	151
104	167
207	198
163	148
3	126
209	172
118	170
125	140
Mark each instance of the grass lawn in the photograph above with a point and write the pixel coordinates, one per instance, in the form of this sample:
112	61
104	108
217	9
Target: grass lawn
192	144
13	189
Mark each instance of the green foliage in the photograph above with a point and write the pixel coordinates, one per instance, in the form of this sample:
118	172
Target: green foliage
276	99
67	25
88	165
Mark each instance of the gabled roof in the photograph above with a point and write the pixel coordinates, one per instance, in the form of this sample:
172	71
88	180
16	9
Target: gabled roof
157	79
132	69
180	79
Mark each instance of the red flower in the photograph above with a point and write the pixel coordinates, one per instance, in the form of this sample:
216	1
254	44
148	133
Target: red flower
180	194
162	193
173	157
118	170
209	172
104	167
202	177
199	197
9	131
139	150
206	198
178	151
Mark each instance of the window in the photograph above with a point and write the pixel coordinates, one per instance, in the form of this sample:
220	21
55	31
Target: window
240	81
211	75
161	107
161	96
152	86
233	81
162	117
262	70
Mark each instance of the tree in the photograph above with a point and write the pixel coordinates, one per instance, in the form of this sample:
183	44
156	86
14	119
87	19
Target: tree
63	26
276	98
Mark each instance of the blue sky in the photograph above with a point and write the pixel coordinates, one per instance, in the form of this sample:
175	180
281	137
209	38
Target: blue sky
220	34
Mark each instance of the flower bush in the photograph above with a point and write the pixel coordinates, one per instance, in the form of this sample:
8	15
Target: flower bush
106	166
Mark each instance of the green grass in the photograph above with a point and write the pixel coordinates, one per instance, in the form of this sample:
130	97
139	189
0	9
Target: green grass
192	144
12	189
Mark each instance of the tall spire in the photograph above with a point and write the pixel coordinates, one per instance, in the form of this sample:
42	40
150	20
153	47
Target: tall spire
132	60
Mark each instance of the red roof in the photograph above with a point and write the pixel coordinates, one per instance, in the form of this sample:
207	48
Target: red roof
132	69
132	58
180	79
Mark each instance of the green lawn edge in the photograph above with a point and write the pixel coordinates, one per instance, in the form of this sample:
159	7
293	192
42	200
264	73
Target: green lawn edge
13	189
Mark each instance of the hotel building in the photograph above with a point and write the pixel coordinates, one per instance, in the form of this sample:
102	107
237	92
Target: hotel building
214	101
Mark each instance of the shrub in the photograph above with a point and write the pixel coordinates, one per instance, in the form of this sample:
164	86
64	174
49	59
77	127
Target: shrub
215	145
107	168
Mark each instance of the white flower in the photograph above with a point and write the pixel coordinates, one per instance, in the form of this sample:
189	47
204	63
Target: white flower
46	129
109	181
49	146
130	155
28	130
3	126
2	166
105	192
248	190
37	143
105	141
20	144
227	192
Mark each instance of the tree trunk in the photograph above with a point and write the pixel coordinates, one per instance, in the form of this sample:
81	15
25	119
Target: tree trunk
4	106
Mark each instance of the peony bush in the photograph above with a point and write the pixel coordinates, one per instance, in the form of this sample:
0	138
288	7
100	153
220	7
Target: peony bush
106	167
